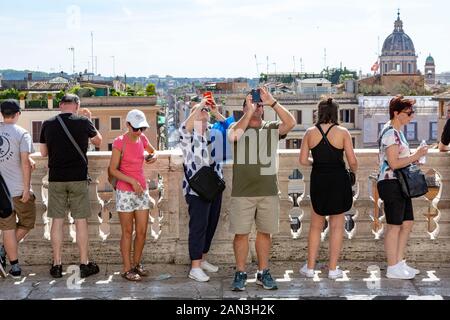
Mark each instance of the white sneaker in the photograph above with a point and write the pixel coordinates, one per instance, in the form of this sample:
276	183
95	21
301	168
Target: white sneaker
335	274
410	269
399	272
197	274
309	273
205	265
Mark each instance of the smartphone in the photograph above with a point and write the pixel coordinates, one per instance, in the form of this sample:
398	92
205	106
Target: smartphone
256	96
149	157
208	95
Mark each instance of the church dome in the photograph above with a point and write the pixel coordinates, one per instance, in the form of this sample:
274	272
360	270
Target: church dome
429	61
398	43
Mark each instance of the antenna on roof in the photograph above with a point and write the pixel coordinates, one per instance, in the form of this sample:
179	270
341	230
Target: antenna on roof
72	49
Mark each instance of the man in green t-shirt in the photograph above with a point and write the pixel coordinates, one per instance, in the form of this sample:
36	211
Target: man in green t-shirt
254	197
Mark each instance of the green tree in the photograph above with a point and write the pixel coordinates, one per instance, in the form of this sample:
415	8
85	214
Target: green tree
9	94
150	90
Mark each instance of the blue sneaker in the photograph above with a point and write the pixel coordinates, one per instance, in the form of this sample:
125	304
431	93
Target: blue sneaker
265	280
240	280
2	262
15	271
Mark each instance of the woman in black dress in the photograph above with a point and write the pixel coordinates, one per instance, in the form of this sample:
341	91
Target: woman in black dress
331	193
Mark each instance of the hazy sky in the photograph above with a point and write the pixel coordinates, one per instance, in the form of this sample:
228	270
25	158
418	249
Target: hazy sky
196	38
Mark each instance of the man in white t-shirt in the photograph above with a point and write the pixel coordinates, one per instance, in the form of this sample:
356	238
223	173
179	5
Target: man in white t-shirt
15	168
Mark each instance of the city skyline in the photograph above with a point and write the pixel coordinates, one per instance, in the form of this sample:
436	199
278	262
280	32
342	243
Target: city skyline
154	37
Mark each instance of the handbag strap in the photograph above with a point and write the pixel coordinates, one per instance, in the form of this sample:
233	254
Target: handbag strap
122	151
324	136
75	144
381	138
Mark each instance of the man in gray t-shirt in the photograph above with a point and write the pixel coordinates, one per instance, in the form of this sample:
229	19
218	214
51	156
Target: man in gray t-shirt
15	168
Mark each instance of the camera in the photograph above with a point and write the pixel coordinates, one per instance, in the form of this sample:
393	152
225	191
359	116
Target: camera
256	96
149	157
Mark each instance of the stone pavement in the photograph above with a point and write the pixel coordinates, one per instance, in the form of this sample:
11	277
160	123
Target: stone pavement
171	282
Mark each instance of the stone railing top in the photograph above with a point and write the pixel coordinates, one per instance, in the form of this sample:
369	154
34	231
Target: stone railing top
118	101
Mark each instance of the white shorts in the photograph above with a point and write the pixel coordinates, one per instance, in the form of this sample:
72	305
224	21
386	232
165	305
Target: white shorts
129	201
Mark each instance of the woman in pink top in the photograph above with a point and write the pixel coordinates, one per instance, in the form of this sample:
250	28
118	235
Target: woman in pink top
133	201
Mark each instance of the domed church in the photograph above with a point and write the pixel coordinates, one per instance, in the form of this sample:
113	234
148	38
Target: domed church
398	55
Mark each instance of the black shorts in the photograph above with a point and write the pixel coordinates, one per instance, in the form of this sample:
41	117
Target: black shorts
397	208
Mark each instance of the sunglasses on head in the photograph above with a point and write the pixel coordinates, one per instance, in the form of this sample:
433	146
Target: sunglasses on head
137	129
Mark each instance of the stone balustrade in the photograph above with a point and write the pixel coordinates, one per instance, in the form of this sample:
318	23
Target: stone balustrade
168	234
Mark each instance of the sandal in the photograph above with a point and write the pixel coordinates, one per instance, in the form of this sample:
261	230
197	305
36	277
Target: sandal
140	270
131	275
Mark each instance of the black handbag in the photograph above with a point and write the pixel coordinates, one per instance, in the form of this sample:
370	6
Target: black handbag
206	183
412	181
351	175
6	203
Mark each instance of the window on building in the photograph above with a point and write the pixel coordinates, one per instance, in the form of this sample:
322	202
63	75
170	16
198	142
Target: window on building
115	123
110	146
398	67
97	149
96	122
237	115
354	142
411	131
433	131
347	115
293	143
385	68
409	68
299	116
36	128
380	127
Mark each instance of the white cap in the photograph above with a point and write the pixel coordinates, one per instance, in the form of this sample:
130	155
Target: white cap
137	119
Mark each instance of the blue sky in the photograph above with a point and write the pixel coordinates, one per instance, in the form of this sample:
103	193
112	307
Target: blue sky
197	38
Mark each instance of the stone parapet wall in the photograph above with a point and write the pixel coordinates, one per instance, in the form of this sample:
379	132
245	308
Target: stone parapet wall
168	233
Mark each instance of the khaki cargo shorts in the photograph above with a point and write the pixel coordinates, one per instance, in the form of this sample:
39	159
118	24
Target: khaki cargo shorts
25	213
70	196
264	211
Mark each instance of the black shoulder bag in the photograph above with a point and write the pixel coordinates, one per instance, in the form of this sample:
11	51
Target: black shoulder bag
206	183
351	174
412	180
6	203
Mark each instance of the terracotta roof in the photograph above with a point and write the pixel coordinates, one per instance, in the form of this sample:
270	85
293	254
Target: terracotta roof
46	86
443	96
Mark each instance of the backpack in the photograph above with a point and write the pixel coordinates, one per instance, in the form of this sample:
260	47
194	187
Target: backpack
6	203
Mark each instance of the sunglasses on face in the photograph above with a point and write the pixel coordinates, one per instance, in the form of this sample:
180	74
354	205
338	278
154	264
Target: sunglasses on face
205	109
409	113
259	105
137	129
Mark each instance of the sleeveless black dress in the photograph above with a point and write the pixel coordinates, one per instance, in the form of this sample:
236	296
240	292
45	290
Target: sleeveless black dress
331	191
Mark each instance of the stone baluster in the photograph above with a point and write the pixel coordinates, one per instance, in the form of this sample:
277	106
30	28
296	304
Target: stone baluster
440	163
286	167
40	191
97	167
